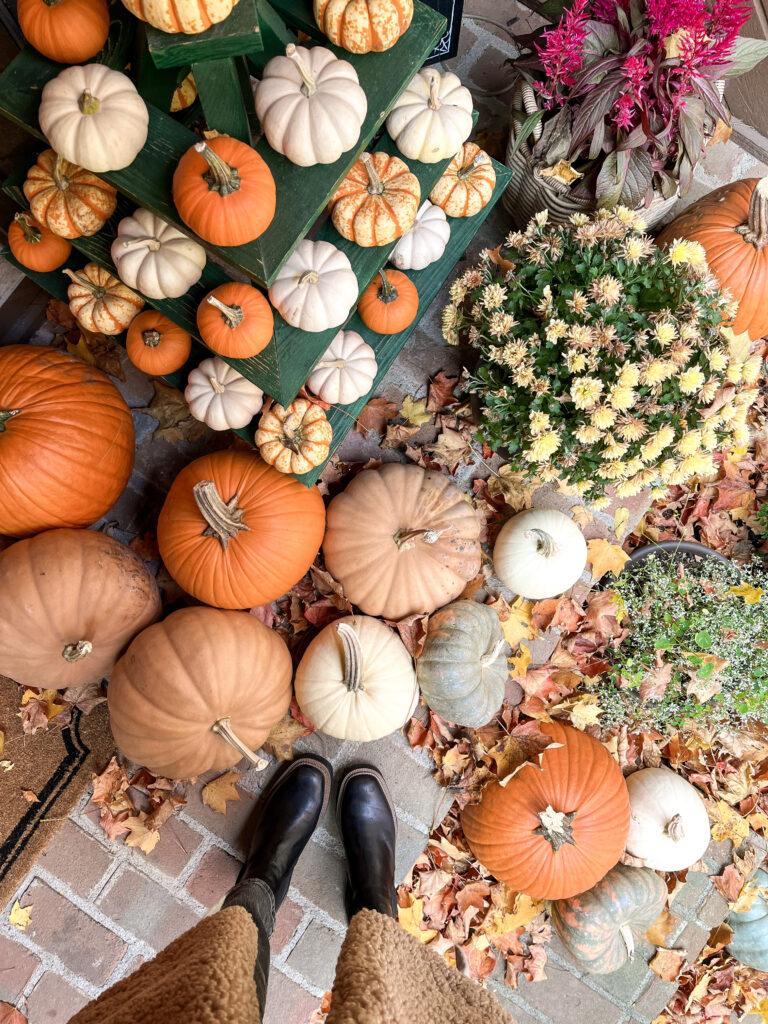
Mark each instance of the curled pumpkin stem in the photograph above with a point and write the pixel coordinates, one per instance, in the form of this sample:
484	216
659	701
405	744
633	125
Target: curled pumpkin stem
224	518
60	179
99	291
353	657
32	234
7	414
674	828
488	659
308	277
233	315
625	931
375	184
309	85
219	177
467	169
223	727
387	292
434	90
141	242
403	537
755	230
76	652
545	545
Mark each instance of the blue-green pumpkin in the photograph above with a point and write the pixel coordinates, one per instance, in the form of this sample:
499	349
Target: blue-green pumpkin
750	929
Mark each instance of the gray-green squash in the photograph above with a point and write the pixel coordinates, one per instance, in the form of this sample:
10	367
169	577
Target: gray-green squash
463	668
750	929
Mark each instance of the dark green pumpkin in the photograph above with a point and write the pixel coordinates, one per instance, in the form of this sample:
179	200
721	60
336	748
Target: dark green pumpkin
598	927
463	668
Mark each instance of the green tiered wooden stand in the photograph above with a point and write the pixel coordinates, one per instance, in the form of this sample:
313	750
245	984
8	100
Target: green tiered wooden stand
221	59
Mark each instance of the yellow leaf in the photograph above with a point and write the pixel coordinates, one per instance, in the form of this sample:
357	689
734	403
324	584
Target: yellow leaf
586	711
499	923
605	557
20	916
738	344
749	893
518	664
415	412
620	520
410	919
699	990
518	626
145	839
49	698
750	594
761	1008
758	821
219	791
6	765
581	515
562	172
727	823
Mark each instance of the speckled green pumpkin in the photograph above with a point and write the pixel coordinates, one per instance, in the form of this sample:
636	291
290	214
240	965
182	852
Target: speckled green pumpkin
750	930
463	668
598	927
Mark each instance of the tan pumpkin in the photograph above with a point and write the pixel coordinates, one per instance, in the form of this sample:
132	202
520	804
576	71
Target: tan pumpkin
362	26
187	16
72	602
402	540
294	438
67	199
467	183
199	691
377	202
100	302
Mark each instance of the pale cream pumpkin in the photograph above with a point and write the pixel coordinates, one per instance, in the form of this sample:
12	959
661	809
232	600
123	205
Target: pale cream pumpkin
316	288
356	680
668	825
100	302
362	26
432	117
221	397
377	202
294	438
346	370
467	183
540	553
67	199
188	16
154	257
425	242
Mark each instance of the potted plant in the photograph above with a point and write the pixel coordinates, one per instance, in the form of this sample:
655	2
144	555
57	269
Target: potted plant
615	104
601	359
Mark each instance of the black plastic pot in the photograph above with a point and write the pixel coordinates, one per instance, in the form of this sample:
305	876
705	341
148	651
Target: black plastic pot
685	550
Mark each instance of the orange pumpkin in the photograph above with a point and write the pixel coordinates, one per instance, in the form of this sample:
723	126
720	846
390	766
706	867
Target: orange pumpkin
377	202
732	225
34	246
235	320
66	441
235	533
553	831
68	31
156	344
224	191
66	198
199	691
390	303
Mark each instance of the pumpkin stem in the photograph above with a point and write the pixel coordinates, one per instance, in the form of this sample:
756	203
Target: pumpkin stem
545	545
87	103
466	170
375	184
76	652
387	292
308	277
291	437
151	337
143	241
309	87
233	315
77	278
629	940
353	657
6	414
224	518
217	387
223	727
756	228
32	234
434	99
331	364
403	537
60	180
556	827
219	177
674	829
489	658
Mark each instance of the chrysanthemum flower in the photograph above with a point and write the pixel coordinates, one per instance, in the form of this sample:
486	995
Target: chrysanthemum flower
556	329
598	504
585	392
603	417
539	422
493	295
543	447
606	290
665	332
741	434
472	278
587	434
629	488
457	291
751	369
690	253
577	219
629	375
614	450
689	443
575	361
631	428
717	359
708	391
621	397
699	464
578	302
691	380
656	371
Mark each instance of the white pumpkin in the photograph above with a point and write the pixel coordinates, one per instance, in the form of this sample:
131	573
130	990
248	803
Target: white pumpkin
310	105
346	370
93	116
668	825
221	397
432	117
356	680
156	258
539	553
316	288
426	240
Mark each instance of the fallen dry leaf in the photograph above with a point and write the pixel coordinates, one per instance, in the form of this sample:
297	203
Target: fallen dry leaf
96	349
494	255
581	515
174	420
620	520
220	790
375	416
518	663
667	963
562	172
411	919
279	743
605	557
518	626
414	411
727	823
30	797
397	434
20	916
750	594
450	448
659	932
10	1015
441	392
146	839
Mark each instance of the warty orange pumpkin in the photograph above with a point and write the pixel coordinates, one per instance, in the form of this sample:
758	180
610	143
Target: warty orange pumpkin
66	198
377	202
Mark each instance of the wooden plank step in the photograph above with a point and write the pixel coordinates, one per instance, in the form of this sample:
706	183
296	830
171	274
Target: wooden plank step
235	36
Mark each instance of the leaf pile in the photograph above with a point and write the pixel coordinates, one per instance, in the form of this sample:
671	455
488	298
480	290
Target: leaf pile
135	806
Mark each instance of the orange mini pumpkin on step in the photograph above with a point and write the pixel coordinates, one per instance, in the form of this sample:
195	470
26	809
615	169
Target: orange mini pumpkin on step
156	344
68	31
390	303
34	246
235	320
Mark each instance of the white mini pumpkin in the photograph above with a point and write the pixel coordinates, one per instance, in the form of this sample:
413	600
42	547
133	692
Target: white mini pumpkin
539	553
356	680
346	370
93	116
432	117
310	105
316	288
426	240
221	397
668	825
156	258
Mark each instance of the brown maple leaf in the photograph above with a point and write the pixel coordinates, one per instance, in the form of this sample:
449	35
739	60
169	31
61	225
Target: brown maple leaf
667	963
174	421
9	1014
220	790
397	434
96	349
375	416
413	632
450	448
441	392
654	683
58	312
279	743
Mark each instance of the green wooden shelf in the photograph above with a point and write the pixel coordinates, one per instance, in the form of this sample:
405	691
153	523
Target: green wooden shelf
236	35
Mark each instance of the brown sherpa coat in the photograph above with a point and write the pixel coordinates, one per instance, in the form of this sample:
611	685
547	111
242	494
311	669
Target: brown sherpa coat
384	976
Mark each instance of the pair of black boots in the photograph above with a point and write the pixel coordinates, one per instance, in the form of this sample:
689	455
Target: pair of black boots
289	811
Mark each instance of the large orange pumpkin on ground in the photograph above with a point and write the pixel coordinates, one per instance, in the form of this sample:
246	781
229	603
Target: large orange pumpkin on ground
236	533
72	601
66	441
732	225
199	691
554	831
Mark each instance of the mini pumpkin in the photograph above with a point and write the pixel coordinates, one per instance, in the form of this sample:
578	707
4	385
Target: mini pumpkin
67	199
362	26
230	674
749	942
302	91
35	246
224	191
669	826
235	533
467	183
235	320
377	201
316	288
390	303
93	116
346	370
155	258
156	345
539	553
73	600
356	680
401	540
294	438
221	397
424	242
101	302
187	16
67	31
554	829
432	117
463	667
598	927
